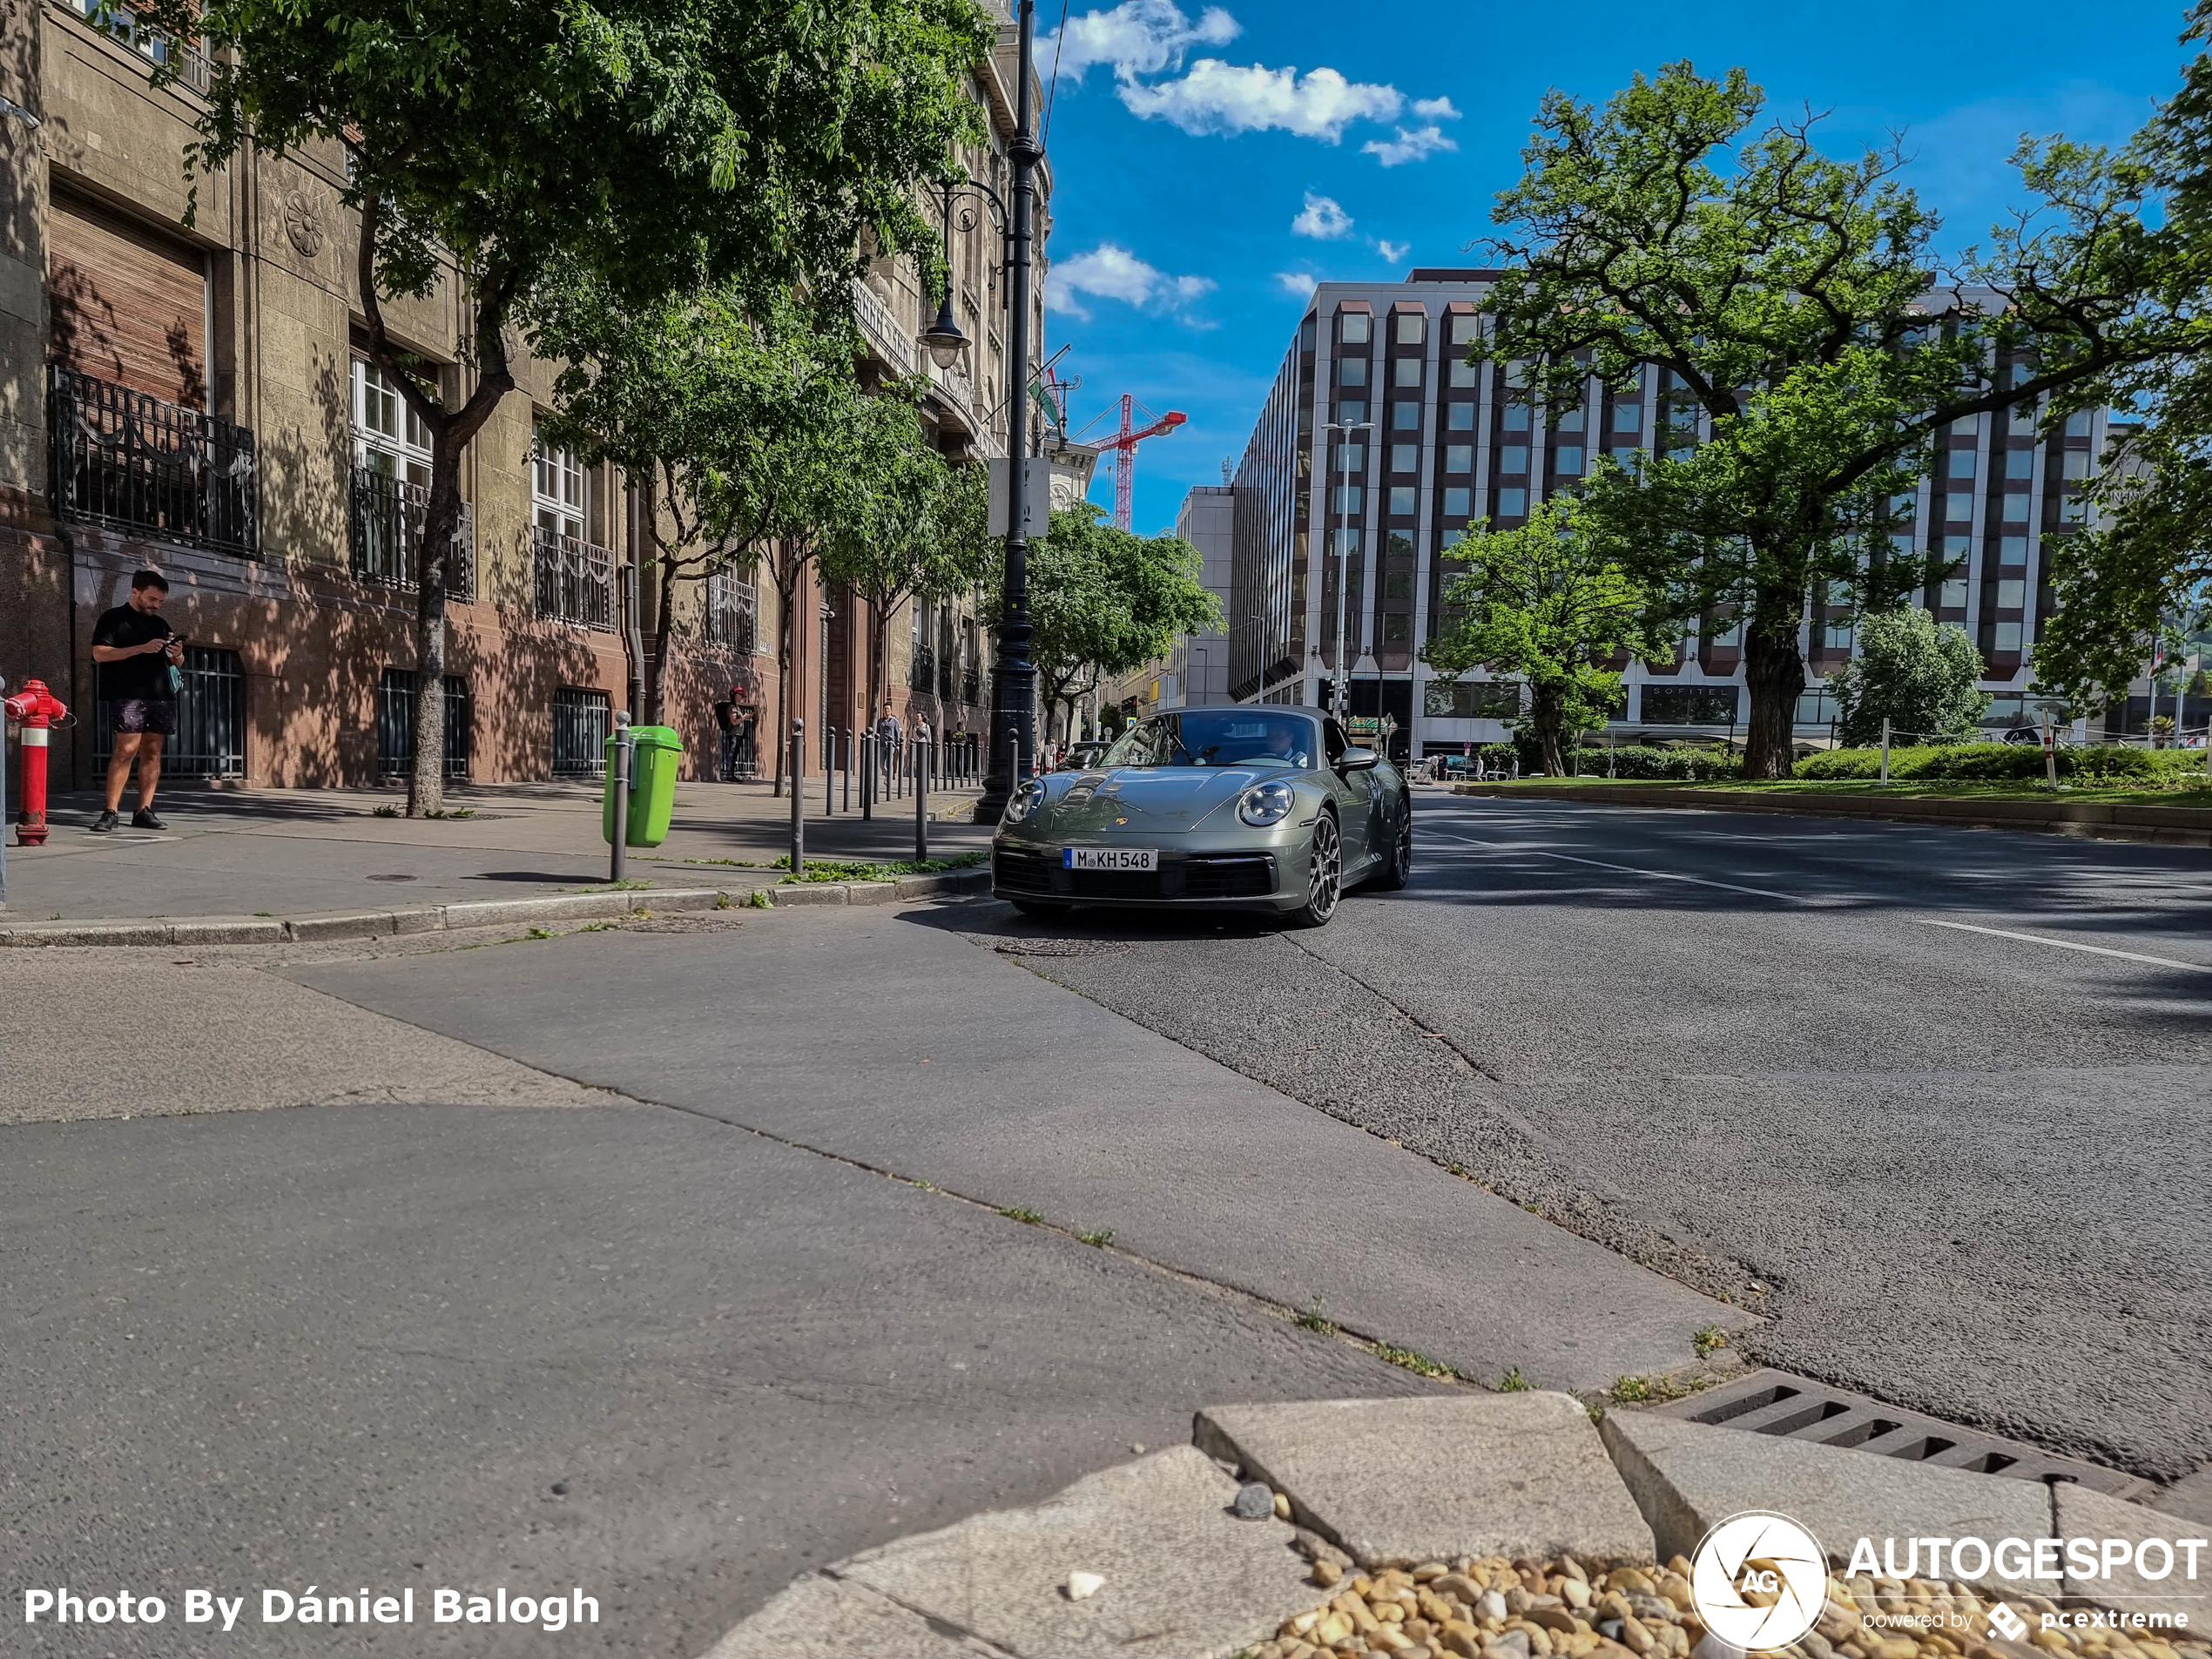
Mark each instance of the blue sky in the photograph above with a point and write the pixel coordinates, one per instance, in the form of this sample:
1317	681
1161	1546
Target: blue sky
1209	157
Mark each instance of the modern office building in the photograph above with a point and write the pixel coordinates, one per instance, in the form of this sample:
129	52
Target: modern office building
195	397
1377	443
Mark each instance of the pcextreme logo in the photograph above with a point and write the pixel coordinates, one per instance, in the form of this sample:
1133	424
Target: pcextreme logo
1758	1580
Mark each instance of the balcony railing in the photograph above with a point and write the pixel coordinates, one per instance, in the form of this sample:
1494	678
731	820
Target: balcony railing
150	43
576	580
893	345
388	536
131	462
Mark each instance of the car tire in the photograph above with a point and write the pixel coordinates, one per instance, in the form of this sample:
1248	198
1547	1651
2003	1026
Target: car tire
1325	875
1039	908
1400	870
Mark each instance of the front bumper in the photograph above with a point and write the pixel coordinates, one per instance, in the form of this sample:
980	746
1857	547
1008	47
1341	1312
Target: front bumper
1226	875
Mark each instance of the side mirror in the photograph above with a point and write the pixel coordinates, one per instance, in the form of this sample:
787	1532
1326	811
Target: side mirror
1359	760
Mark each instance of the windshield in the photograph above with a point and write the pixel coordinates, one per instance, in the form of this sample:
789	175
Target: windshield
1217	738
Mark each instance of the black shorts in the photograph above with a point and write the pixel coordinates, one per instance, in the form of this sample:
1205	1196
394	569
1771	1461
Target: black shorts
154	714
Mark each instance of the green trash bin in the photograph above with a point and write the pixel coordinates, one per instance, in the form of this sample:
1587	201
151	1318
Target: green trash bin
657	754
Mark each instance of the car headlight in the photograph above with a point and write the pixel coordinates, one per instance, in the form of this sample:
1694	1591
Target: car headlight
1024	801
1266	804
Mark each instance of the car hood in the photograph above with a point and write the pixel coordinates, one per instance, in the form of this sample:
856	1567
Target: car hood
1150	800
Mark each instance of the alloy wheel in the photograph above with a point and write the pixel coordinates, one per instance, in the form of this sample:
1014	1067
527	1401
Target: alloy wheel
1324	867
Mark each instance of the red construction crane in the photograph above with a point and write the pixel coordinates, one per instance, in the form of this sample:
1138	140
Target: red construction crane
1125	444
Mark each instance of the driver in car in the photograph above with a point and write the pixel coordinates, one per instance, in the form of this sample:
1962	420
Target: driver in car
1282	743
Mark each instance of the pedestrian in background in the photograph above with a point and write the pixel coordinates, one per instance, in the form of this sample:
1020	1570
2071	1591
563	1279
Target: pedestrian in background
725	720
888	732
141	658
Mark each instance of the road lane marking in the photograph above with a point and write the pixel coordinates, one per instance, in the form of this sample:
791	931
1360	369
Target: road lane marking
2066	944
1654	875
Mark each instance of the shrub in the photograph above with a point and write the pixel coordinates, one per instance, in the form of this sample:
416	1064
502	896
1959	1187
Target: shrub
1689	765
1996	762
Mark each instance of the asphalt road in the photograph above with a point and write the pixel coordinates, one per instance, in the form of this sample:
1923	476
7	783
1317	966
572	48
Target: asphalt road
1800	1063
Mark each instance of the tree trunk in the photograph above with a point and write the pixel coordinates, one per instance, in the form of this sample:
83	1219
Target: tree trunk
784	599
1548	714
664	631
440	519
1773	671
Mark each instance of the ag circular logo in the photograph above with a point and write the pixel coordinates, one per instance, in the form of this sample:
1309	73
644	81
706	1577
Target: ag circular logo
1758	1580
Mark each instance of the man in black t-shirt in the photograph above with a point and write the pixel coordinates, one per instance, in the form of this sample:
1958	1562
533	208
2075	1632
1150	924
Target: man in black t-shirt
138	654
725	720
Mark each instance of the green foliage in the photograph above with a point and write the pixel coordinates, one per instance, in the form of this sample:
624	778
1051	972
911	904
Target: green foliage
1783	293
1547	602
1689	765
1999	762
1922	677
1103	602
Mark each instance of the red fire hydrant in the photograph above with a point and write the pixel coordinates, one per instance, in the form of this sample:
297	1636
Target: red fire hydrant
38	709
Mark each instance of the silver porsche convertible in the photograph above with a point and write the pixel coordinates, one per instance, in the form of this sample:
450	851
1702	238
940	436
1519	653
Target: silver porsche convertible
1260	807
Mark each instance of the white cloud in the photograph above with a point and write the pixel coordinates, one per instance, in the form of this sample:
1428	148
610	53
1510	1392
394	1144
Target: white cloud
1435	108
1322	219
1393	251
1299	284
1110	272
1215	97
1412	143
1137	37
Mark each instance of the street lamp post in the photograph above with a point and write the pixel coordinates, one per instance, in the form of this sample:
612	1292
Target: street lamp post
1013	691
1340	689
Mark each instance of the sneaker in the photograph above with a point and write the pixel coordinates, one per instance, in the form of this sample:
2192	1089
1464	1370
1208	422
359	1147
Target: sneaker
144	818
105	822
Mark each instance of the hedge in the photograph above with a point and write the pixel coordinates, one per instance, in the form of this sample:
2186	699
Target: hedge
1999	762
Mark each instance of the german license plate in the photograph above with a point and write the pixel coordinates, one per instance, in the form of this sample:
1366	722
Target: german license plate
1110	857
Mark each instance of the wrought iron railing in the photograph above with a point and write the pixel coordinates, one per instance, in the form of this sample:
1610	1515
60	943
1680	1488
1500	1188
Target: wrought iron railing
150	43
895	346
947	670
581	721
732	611
210	740
388	536
576	580
131	462
396	701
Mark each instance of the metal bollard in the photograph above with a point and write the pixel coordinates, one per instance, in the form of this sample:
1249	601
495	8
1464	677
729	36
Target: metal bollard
867	775
829	772
921	803
848	768
624	748
798	798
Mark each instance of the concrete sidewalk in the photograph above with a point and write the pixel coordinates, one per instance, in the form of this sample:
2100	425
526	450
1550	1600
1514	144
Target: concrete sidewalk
280	852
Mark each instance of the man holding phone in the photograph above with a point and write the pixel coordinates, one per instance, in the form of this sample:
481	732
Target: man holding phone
139	655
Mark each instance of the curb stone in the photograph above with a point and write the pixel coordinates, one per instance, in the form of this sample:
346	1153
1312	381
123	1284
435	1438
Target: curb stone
488	913
1195	1584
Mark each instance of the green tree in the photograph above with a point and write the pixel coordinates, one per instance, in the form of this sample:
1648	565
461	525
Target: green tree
918	527
1103	602
1922	677
666	388
1809	362
744	140
1549	603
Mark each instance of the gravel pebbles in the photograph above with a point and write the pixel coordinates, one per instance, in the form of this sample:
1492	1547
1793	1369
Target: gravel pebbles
1496	1609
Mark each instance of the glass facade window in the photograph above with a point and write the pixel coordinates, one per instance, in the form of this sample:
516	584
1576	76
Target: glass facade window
1512	503
1413	327
1961	463
1959	507
1347	542
388	437
1398	585
1401	501
1514	458
1352	327
2011	595
2006	636
1627	417
1459	457
1460	417
1405	457
1464	324
1458	503
2012	550
1568	421
1405	371
1516	417
2077	424
2074	466
1398	627
1351	371
1404	417
1351	411
2020	463
1952	594
1351	457
1346	498
1568	459
1453	538
1464	374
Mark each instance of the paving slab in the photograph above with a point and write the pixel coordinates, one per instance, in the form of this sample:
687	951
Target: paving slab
821	1617
1185	1578
2176	1593
1398	1482
1688	1477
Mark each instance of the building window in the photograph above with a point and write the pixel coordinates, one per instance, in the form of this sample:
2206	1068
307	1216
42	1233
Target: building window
388	437
1689	704
1512	503
396	724
1398	585
1407	371
1568	421
580	722
2020	463
1464	374
1952	596
2077	424
732	610
2073	466
1351	411
1398	627
1351	457
1459	457
1351	371
1351	327
1405	457
1458	503
559	499
2011	595
1406	417
1515	418
1347	498
1413	327
1465	327
1453	538
2007	635
1460	417
1514	458
2012	550
1346	538
210	740
1627	417
1962	463
1401	501
1568	459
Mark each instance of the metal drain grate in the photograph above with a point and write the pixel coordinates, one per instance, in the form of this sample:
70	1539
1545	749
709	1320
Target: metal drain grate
1798	1408
1059	946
